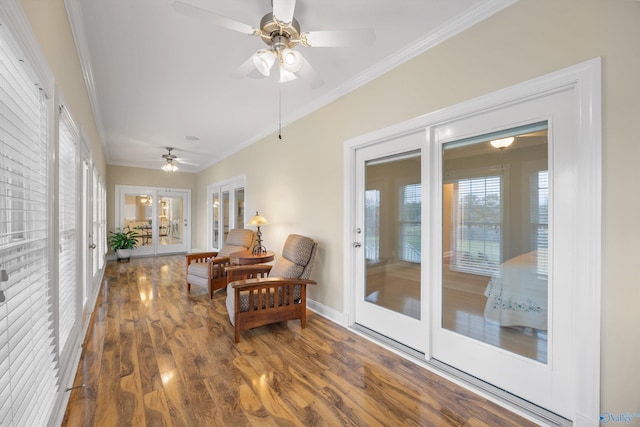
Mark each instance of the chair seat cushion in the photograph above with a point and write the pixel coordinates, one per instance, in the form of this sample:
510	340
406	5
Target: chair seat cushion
229	249
198	269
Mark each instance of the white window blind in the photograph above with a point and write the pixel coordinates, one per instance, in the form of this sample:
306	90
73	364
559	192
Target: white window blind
540	219
410	212
68	232
478	225
27	367
372	224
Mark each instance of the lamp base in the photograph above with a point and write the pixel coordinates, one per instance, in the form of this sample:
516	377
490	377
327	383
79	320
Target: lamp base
259	250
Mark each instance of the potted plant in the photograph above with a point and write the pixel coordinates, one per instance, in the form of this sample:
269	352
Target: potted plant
122	242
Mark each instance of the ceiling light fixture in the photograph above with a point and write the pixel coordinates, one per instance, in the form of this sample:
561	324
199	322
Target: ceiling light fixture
169	166
502	143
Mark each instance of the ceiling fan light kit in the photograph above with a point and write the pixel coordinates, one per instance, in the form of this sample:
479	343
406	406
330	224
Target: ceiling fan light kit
280	31
169	166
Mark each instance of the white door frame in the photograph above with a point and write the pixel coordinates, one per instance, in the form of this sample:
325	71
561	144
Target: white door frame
229	185
584	80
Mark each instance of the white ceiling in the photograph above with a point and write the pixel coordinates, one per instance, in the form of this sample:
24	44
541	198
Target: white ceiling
156	76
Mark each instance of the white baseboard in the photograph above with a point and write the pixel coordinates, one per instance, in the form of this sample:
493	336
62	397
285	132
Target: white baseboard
325	311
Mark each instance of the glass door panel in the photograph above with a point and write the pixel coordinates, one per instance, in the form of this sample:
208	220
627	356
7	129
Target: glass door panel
215	220
239	210
388	240
172	221
138	216
392	234
226	215
494	275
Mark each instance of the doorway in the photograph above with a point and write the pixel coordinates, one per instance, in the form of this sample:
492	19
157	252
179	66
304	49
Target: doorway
161	217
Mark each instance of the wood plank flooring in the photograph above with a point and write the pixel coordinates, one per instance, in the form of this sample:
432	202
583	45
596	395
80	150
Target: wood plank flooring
154	356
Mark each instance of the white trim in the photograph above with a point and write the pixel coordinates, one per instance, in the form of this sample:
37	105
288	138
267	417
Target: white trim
327	312
585	80
76	21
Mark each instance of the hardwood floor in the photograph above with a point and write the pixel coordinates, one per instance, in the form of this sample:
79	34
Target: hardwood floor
154	356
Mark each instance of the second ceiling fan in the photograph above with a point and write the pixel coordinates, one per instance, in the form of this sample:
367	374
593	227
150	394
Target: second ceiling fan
280	31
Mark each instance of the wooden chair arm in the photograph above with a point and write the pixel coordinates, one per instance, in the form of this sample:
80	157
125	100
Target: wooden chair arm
248	284
221	260
244	271
201	257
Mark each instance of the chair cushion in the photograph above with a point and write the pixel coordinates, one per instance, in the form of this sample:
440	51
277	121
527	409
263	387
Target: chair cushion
297	249
229	249
198	269
197	280
286	269
240	237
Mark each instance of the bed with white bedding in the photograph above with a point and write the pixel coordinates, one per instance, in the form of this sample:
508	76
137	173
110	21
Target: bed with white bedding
517	294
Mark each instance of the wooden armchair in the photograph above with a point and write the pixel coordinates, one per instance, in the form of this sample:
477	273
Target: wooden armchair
259	295
208	268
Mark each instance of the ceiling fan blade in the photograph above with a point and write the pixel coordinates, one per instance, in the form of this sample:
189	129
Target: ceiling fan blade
208	16
310	75
247	69
339	38
283	10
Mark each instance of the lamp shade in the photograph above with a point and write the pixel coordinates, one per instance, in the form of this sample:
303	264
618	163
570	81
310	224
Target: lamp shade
257	221
169	167
291	60
263	60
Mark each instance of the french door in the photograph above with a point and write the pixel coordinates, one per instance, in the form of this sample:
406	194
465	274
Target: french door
161	217
387	241
501	195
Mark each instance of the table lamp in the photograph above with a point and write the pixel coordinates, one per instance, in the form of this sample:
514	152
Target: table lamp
257	221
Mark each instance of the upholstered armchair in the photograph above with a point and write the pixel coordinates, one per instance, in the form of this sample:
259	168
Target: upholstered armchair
258	295
207	269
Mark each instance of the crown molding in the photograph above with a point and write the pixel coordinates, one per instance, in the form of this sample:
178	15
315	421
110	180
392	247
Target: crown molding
74	13
444	32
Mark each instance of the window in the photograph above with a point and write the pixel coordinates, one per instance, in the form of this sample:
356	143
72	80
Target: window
477	232
409	216
27	367
68	230
540	219
372	224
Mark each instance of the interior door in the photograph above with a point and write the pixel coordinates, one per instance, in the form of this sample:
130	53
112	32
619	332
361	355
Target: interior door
387	241
173	225
504	234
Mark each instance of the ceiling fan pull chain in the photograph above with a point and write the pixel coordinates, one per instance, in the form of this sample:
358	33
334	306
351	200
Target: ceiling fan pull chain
279	110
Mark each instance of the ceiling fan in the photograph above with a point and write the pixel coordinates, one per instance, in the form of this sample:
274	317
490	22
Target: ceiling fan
280	31
169	166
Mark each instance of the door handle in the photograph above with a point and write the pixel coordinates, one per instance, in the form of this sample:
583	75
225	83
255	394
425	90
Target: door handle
357	244
92	246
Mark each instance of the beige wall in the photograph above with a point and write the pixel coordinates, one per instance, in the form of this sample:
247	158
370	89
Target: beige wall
297	183
120	175
50	25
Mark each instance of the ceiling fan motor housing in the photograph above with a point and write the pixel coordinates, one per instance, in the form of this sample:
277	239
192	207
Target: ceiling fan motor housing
277	34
